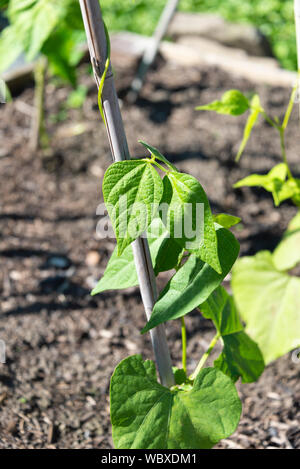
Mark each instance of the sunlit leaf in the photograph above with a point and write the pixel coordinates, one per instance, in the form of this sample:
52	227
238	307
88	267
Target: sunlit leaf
269	302
193	283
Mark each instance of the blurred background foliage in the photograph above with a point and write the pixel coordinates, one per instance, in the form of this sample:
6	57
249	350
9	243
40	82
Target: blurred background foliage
54	27
275	18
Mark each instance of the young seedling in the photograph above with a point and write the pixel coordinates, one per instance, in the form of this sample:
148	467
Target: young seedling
265	290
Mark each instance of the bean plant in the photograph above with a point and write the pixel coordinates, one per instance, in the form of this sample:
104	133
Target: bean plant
266	286
202	407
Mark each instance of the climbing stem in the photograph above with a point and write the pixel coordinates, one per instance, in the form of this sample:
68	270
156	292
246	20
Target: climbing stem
205	356
183	337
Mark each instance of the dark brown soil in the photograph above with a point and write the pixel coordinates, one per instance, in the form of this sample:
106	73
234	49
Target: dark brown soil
62	344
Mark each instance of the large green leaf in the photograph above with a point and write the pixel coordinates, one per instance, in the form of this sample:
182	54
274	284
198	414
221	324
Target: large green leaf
132	191
233	102
193	283
240	357
287	254
269	303
188	217
146	415
120	271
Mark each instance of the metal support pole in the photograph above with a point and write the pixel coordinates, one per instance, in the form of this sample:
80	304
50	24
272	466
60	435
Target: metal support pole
96	38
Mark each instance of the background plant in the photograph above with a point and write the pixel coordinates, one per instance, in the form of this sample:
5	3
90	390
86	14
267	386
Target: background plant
265	288
273	17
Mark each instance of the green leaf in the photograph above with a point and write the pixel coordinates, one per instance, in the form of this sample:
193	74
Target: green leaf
35	21
10	47
220	308
193	283
154	152
132	191
273	182
186	212
225	220
63	52
233	102
256	109
240	357
120	271
269	302
146	415
287	254
45	16
35	27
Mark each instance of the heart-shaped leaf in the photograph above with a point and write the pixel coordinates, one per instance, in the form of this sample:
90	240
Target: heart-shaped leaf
146	415
132	192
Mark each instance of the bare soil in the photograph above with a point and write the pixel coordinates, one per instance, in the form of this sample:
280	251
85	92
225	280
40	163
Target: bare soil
62	344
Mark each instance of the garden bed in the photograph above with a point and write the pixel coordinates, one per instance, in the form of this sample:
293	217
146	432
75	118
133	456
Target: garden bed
62	344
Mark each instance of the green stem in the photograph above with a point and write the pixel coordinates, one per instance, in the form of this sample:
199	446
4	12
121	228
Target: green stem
153	161
205	356
183	335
